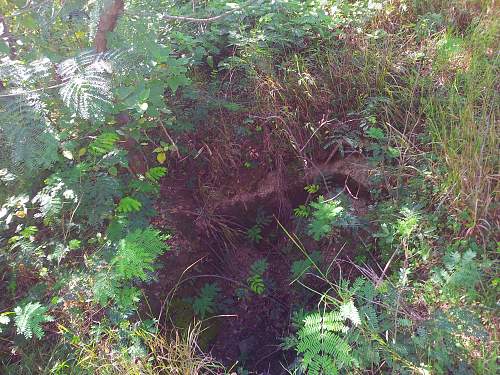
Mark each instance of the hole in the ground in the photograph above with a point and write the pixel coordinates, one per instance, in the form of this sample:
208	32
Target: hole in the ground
252	325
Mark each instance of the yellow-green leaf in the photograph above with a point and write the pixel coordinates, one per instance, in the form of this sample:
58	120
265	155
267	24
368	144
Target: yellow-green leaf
161	157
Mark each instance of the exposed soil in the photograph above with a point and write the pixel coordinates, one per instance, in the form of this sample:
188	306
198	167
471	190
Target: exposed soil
209	225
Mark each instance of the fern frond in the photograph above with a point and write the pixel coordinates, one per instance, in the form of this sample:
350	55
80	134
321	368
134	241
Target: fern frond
154	174
349	311
104	143
87	84
29	319
205	302
28	141
323	350
137	253
15	73
129	204
97	195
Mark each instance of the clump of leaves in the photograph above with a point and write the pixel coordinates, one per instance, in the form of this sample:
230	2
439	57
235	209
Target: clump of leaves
300	267
129	204
137	253
311	189
459	276
255	280
325	213
206	301
321	344
254	233
302	211
29	319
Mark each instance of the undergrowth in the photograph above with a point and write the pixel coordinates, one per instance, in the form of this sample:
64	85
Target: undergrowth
105	104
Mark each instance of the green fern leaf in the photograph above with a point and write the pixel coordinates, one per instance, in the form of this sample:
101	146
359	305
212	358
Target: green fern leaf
256	284
129	204
97	194
128	297
322	349
104	143
29	143
205	302
325	214
87	84
105	288
259	266
29	319
137	253
349	311
155	173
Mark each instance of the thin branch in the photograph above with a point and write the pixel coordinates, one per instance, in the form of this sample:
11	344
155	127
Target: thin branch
209	19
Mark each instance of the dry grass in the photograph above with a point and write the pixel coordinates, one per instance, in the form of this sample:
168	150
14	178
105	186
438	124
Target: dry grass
175	354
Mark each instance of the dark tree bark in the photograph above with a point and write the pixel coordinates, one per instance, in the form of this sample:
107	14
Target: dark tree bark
107	23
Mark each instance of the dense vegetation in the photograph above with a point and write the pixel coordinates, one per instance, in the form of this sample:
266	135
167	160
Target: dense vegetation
253	187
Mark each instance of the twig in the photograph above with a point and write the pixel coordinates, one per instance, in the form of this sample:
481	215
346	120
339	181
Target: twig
381	278
170	139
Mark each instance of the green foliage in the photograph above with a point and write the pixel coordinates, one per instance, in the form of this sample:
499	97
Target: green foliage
321	344
410	85
155	173
300	267
350	312
302	211
86	86
128	204
29	319
137	254
325	213
254	233
255	280
97	198
106	287
256	284
259	267
459	276
31	144
104	143
311	189
206	301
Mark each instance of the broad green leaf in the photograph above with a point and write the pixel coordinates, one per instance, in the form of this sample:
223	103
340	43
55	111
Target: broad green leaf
375	133
176	81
